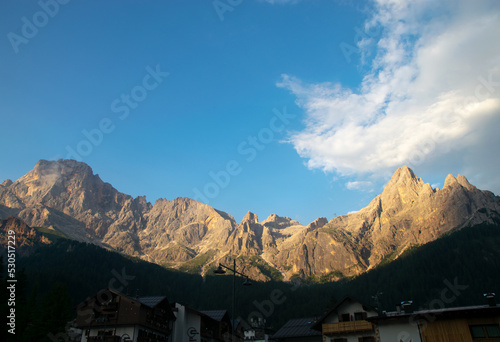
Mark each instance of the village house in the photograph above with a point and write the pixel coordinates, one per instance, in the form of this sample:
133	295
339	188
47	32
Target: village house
459	324
347	322
352	321
200	326
114	317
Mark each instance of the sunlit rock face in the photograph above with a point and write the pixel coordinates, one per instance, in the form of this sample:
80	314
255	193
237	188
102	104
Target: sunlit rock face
195	237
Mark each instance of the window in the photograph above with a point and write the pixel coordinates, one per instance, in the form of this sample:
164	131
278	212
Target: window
485	331
477	331
105	333
345	317
492	330
366	339
358	316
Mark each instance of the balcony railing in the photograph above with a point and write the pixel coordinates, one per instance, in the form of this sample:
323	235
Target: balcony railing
346	327
103	338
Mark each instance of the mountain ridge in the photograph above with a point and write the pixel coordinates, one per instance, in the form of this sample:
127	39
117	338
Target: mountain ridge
67	195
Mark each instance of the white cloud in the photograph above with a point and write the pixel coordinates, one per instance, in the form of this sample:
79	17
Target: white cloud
433	89
360	185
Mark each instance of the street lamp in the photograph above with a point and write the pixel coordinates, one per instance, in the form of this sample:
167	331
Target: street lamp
220	270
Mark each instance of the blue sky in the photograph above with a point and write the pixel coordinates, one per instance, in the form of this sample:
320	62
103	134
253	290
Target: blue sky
299	108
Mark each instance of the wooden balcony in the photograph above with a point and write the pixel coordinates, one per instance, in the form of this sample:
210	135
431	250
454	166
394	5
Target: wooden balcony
346	327
104	338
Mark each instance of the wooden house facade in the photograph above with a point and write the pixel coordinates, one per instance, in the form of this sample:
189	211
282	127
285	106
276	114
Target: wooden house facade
460	324
347	322
112	316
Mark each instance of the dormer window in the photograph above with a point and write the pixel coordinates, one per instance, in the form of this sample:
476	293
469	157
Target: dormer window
344	317
359	316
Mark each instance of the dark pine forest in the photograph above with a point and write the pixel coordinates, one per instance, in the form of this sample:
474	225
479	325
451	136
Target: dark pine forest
55	278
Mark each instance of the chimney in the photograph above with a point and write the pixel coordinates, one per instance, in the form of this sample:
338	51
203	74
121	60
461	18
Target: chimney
490	297
407	306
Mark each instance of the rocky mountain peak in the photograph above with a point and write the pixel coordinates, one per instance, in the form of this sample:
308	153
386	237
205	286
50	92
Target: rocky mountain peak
27	238
272	218
460	180
318	223
184	233
279	222
61	173
449	181
250	218
403	188
13	223
465	183
403	175
61	167
6	183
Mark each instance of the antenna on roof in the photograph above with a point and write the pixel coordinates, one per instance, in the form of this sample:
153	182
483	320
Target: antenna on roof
491	298
376	298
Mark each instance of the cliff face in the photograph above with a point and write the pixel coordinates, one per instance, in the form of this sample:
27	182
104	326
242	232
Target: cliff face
409	212
24	239
193	236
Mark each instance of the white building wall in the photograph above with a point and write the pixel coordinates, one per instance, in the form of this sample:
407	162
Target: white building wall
131	331
404	332
351	337
350	308
187	326
249	334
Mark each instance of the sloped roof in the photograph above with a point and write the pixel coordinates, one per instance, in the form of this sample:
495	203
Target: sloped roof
151	301
217	315
317	325
299	327
444	313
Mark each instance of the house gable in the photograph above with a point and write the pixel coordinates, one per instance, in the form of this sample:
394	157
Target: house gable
347	322
109	313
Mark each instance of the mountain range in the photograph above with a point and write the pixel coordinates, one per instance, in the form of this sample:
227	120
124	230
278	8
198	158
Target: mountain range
66	196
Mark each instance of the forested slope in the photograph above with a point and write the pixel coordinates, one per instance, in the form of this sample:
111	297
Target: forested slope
66	272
